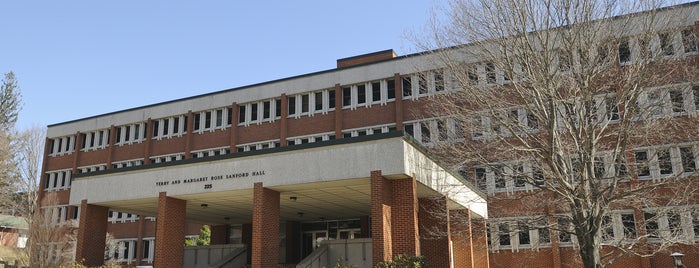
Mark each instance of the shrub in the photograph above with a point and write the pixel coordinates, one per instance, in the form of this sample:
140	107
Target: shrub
404	261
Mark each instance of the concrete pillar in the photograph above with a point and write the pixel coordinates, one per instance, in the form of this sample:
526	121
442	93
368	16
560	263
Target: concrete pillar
435	233
92	234
170	232
265	227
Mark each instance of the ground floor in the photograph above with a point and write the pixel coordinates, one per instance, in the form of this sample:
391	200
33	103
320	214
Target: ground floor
284	205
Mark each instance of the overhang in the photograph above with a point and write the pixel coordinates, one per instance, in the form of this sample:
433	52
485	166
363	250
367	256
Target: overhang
325	180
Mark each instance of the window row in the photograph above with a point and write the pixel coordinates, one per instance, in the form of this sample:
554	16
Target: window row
367	94
659	162
94	140
211	152
432	130
258	112
166	158
121	217
357	132
122	250
677	224
127	163
168	127
665	44
423	84
672	100
57	215
311	103
57	180
257	146
62	145
128	134
310	138
212	119
93	168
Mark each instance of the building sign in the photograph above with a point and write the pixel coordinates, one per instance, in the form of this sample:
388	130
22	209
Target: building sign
206	180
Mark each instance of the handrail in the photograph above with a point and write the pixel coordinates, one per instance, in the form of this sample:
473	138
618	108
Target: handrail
232	256
316	255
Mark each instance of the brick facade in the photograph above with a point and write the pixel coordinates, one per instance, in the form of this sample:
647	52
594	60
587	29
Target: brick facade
170	231
92	234
265	227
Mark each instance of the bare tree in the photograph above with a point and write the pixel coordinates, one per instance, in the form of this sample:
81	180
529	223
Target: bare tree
576	109
28	145
51	240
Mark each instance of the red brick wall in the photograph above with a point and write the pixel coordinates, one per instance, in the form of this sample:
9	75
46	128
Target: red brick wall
404	217
92	234
381	200
170	231
265	227
219	234
434	231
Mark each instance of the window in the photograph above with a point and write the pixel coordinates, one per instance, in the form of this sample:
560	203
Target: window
407	86
207	120
677	101
565	227
331	99
490	73
425	132
422	84
651	224
666	45
438	81
361	94
472	74
266	110
97	139
504	234
695	93
375	91
688	160
611	109
481	180
253	112
219	116
291	105
642	168
629	225
689	40
624	51
664	161
318	98
565	61
305	103
346	96
57	180
523	233
644	48
197	121
391	89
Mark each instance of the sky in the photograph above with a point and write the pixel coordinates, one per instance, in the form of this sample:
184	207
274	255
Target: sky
76	59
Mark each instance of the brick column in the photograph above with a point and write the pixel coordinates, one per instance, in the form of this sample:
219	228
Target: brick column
235	110
399	101
404	217
188	138
169	232
283	122
381	199
92	234
265	227
338	111
434	231
460	226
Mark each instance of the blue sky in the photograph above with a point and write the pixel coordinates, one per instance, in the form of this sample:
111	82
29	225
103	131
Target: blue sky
75	59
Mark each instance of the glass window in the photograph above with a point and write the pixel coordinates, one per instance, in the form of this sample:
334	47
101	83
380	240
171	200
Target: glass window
253	112
318	101
666	44
438	81
664	161
624	51
375	91
346	96
292	105
266	109
331	98
688	160
408	86
305	103
241	114
642	168
391	88
504	234
361	94
689	40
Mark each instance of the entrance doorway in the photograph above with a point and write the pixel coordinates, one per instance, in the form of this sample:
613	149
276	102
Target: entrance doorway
316	232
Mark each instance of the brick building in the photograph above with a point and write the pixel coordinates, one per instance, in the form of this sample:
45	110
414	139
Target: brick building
288	168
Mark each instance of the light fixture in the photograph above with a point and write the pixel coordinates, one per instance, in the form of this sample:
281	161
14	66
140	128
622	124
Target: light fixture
293	198
300	214
227	218
677	259
204	205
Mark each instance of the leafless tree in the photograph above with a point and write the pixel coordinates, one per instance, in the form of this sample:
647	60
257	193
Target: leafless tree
51	240
28	146
576	109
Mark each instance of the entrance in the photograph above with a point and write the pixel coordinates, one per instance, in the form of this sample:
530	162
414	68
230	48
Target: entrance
318	231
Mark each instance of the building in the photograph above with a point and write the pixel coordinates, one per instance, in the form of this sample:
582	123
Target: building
299	170
13	231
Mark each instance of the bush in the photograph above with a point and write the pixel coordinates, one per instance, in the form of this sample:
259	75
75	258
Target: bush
404	261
